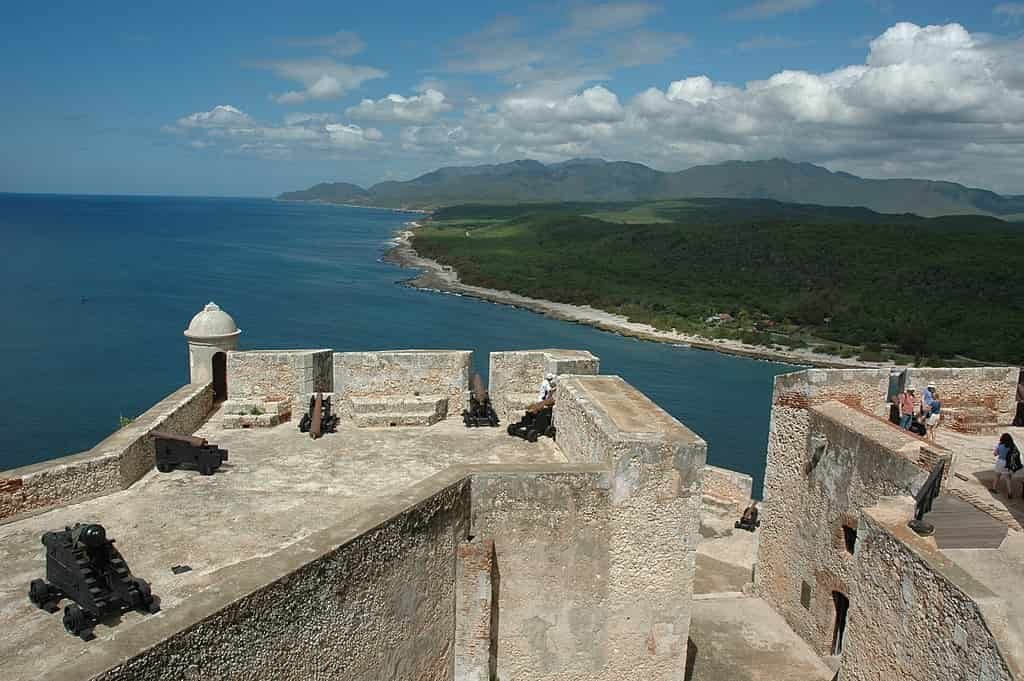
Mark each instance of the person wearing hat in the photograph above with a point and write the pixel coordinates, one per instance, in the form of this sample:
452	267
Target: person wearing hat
928	400
907	408
547	386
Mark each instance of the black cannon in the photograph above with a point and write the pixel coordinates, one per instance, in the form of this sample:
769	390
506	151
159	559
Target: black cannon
83	566
319	419
177	450
535	422
480	412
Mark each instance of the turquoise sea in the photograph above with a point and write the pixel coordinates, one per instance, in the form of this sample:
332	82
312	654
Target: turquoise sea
95	292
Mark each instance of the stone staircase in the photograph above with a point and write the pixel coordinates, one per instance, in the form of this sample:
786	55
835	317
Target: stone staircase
264	412
391	411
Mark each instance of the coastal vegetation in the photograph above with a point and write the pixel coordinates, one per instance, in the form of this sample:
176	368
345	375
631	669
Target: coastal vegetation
846	281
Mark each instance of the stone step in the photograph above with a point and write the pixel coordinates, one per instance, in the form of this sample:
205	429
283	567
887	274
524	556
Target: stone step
236	421
266	405
400	404
386	419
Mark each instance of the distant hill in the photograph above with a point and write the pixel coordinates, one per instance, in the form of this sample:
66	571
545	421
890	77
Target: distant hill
590	180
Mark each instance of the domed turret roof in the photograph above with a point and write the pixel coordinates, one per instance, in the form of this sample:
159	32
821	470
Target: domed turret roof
212	322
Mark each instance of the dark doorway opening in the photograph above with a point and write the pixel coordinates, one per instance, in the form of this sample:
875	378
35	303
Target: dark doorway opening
220	377
850	538
1018	419
842	604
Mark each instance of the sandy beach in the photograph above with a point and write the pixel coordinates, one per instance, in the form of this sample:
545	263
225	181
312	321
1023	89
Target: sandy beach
437	277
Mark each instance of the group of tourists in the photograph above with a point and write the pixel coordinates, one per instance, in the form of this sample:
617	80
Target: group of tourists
919	417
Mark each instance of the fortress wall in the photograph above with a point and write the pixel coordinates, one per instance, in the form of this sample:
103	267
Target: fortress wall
916	616
515	377
368	599
277	373
655	466
551	534
112	465
846	461
992	388
402	373
729	488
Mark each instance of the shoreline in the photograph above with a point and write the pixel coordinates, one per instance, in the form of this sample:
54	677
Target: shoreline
354	205
434	276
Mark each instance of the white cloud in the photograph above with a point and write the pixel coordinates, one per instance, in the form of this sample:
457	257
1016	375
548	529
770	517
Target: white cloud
610	16
771	8
321	78
342	43
221	116
647	47
416	109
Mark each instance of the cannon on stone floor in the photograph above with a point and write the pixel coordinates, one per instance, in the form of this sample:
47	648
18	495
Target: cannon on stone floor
480	412
319	419
186	450
83	566
535	422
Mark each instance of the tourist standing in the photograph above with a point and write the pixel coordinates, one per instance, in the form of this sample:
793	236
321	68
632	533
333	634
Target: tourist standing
547	387
907	408
928	400
1007	462
934	414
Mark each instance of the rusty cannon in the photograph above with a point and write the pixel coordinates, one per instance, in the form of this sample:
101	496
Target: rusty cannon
83	566
319	419
535	422
173	451
480	412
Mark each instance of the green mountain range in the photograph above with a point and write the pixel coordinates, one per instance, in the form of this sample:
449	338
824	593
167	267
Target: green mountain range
588	180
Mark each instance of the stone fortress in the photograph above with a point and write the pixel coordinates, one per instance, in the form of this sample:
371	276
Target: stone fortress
406	546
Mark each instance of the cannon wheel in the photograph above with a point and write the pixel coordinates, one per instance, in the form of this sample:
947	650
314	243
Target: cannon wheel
39	593
511	429
205	468
494	420
550	432
532	435
146	600
164	467
74	620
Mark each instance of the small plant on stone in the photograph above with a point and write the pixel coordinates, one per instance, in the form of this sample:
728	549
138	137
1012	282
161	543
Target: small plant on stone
256	411
123	421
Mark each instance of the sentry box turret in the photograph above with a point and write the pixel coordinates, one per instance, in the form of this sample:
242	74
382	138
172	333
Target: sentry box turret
83	566
173	451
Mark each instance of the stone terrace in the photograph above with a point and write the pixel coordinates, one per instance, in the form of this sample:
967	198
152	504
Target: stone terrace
277	480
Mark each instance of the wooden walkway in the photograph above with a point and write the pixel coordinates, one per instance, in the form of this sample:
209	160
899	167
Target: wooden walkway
959	525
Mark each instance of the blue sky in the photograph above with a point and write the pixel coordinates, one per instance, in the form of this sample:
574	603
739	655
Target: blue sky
251	99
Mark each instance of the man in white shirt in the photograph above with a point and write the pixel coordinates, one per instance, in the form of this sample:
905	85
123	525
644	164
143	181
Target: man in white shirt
547	387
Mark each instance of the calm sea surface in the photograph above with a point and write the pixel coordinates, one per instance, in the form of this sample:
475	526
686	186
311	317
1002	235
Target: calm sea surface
96	291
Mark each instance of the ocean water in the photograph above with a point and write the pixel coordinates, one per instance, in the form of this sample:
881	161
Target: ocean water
95	293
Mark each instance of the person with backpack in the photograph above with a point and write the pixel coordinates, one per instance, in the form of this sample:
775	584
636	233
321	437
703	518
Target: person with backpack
1007	463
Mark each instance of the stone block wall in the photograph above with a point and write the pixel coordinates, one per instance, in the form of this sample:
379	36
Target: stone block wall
655	467
914	617
403	373
113	464
993	389
846	461
515	377
476	611
379	605
728	488
254	374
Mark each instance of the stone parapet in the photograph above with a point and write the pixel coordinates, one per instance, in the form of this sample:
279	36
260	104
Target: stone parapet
515	376
405	373
112	465
257	374
727	488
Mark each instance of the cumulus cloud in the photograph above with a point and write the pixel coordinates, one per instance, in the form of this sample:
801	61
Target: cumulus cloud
321	78
239	133
396	108
771	8
933	101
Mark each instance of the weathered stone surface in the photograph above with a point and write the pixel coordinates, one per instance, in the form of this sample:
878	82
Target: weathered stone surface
515	377
257	374
728	488
405	373
113	464
916	616
477	584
